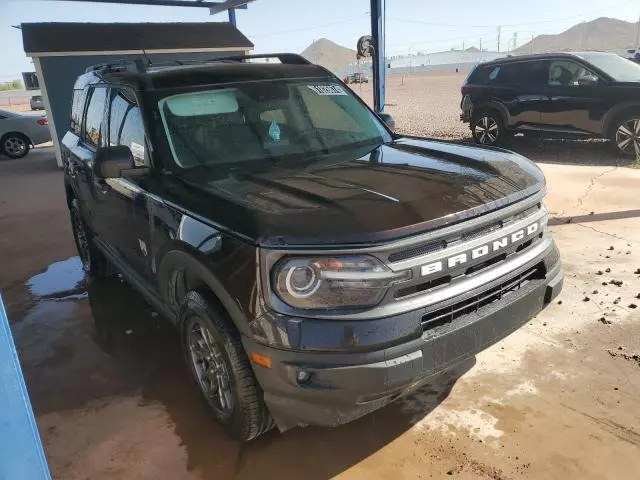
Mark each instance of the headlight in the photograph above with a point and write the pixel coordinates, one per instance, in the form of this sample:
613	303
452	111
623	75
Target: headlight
333	282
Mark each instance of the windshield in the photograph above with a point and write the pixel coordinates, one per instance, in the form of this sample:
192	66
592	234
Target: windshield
266	120
620	69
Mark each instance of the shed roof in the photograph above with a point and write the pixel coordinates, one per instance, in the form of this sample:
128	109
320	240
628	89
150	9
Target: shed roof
43	39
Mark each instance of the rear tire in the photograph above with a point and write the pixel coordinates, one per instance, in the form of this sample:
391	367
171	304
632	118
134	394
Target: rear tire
625	134
15	145
488	128
93	261
221	369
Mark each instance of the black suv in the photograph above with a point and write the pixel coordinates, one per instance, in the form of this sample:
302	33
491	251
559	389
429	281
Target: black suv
316	265
566	94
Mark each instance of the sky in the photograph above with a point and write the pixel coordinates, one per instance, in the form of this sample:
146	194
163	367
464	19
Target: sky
291	25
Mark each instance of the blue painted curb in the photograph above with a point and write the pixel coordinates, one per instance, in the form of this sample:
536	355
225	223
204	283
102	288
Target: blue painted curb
21	453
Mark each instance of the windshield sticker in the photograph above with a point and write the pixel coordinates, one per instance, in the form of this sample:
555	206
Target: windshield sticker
327	89
274	131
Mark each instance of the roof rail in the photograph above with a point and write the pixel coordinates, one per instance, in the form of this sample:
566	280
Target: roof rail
140	66
288	58
117	65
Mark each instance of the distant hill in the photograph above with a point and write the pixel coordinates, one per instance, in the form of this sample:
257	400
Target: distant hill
329	54
603	34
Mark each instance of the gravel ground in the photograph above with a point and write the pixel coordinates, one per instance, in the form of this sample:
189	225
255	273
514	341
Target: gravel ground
424	104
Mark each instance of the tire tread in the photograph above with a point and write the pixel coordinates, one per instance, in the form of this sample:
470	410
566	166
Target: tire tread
256	419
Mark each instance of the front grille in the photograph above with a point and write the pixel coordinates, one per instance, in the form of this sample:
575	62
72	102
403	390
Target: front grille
417	251
468	236
475	303
526	213
440	244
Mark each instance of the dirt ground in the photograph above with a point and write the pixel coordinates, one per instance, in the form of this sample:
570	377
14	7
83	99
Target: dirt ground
558	399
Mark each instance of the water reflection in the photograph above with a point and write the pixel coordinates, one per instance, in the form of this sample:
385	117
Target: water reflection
60	279
130	331
79	353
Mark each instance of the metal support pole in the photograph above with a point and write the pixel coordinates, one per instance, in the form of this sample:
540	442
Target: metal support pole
232	16
377	35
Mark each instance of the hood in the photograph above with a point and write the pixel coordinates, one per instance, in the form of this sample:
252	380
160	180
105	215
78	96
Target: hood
398	189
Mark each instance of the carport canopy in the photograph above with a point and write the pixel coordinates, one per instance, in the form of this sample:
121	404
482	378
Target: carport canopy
59	58
378	9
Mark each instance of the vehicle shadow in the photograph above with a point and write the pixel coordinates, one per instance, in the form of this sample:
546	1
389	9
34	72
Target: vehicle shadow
592	152
148	349
568	152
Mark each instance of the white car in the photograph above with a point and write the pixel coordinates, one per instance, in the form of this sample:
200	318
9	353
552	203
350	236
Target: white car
18	132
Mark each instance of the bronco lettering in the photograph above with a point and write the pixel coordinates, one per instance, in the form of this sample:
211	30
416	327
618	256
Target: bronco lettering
482	250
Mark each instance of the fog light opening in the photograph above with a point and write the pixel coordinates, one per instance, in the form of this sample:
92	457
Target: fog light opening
303	377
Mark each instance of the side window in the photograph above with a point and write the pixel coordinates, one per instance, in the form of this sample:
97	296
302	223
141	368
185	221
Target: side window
510	74
93	125
77	106
126	126
118	108
566	73
494	73
535	73
519	73
132	135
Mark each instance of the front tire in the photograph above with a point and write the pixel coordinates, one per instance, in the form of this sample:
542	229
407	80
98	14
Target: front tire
15	145
93	261
221	368
487	128
626	135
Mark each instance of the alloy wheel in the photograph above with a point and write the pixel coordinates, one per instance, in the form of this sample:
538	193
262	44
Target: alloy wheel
14	146
628	137
486	130
210	368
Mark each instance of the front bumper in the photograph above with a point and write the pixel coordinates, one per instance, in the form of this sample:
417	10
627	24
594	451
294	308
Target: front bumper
346	385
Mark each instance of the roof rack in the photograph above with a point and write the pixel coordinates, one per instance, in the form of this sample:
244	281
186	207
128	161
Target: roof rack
141	67
113	66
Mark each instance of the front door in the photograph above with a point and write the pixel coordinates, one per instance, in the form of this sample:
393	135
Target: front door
90	130
122	201
574	105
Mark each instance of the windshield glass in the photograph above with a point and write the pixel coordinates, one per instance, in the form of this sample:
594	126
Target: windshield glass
618	68
266	119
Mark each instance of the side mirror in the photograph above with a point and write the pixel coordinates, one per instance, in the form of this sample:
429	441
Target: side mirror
388	120
587	80
110	162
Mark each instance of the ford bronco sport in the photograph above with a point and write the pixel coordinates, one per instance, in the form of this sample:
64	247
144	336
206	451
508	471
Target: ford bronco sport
317	266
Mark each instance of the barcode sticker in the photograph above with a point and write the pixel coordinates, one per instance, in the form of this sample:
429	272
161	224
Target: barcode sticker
327	89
